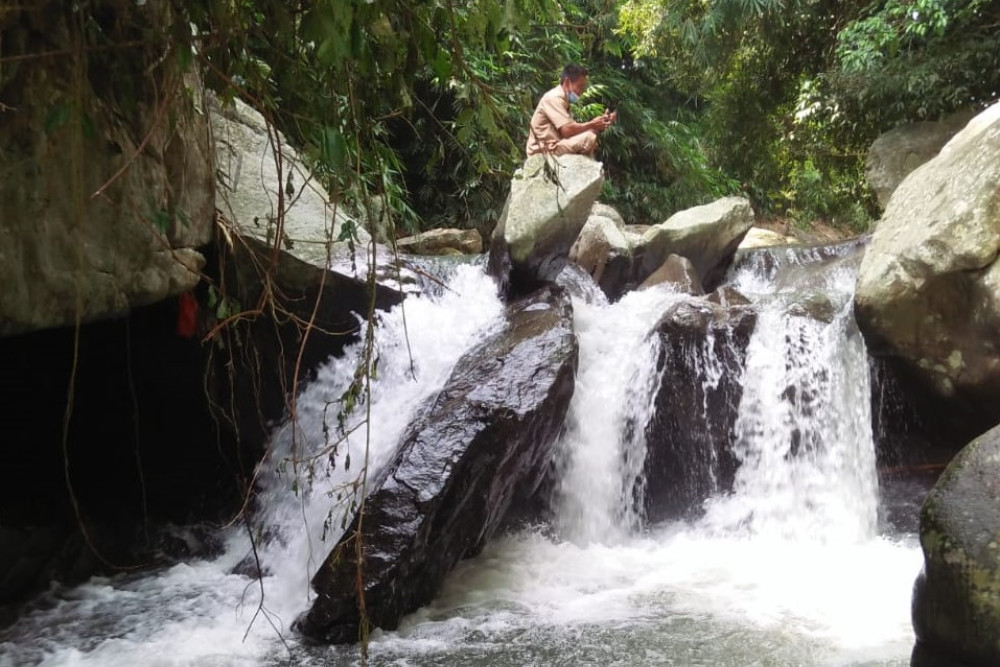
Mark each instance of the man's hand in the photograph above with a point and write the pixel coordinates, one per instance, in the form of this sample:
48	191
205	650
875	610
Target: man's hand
604	121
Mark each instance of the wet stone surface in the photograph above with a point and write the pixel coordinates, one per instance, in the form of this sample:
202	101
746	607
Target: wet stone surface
482	442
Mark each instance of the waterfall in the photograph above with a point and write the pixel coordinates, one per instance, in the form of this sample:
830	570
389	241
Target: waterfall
803	435
785	568
603	448
202	613
803	432
306	505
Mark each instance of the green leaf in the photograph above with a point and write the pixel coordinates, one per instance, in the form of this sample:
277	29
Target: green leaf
442	65
161	219
333	149
57	117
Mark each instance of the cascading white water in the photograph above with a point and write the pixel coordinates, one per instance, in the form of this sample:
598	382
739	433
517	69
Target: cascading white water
784	571
200	614
307	504
603	448
804	439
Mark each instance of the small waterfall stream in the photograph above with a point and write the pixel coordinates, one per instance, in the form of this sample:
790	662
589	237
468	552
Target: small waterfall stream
788	568
603	448
803	433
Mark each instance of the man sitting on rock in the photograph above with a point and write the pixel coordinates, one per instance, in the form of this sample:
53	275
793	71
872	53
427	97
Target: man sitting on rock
553	129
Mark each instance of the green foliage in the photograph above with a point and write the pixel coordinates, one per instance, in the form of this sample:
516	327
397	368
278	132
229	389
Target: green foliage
407	108
741	63
914	60
822	157
792	92
466	136
655	158
415	113
222	305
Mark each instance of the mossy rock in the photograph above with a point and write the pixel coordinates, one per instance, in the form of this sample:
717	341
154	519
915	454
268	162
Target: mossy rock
956	607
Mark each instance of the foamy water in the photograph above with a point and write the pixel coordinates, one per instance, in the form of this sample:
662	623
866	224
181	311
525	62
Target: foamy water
603	449
771	575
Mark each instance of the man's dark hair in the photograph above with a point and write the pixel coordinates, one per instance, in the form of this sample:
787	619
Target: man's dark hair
573	72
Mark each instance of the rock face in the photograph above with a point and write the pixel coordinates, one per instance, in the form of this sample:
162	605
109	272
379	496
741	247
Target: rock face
901	150
956	604
254	197
549	203
482	441
251	189
442	242
103	200
330	300
602	250
689	439
706	235
300	288
929	285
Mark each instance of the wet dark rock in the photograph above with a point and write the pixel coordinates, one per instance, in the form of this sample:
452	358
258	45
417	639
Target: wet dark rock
914	429
24	554
250	567
924	657
485	440
33	556
689	439
956	601
580	284
185	543
145	448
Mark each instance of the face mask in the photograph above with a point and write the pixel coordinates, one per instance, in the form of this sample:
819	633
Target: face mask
572	97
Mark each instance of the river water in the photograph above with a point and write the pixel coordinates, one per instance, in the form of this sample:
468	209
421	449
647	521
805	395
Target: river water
794	567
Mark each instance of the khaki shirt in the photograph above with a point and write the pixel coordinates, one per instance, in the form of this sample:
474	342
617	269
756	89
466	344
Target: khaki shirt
551	114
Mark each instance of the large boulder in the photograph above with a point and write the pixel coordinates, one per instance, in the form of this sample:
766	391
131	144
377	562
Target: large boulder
928	289
549	203
690	436
106	190
899	151
485	439
602	250
282	231
956	604
706	235
607	211
286	207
